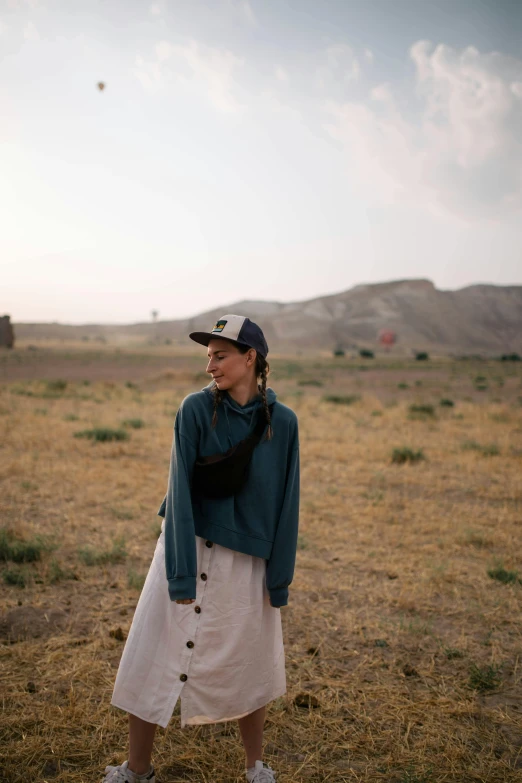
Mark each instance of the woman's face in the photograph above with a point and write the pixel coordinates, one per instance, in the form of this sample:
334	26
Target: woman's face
227	365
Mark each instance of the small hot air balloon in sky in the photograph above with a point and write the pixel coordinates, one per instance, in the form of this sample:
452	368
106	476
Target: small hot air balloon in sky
101	86
387	337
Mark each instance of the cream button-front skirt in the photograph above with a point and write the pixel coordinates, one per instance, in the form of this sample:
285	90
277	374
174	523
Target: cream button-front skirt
223	654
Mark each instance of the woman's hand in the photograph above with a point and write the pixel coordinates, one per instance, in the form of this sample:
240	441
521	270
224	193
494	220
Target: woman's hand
185	600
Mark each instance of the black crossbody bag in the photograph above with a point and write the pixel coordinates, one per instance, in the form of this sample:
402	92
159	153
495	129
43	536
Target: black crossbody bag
225	474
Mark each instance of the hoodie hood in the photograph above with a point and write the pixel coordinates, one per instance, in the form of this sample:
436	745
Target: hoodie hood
271	397
234	412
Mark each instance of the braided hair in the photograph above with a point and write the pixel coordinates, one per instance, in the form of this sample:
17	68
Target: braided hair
262	371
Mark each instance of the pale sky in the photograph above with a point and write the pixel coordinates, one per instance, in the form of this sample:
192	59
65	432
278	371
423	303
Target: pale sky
253	149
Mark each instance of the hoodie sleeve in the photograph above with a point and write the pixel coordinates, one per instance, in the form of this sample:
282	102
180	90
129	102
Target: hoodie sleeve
280	566
180	537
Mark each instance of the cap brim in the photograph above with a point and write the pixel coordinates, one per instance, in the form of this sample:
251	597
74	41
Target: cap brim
203	338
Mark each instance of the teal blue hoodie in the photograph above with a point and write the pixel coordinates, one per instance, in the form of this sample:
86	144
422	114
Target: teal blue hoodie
262	520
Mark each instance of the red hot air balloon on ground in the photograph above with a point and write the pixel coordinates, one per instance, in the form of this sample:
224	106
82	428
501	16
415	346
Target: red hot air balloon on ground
387	337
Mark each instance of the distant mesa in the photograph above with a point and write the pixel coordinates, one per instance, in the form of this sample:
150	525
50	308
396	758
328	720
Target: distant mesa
6	332
399	316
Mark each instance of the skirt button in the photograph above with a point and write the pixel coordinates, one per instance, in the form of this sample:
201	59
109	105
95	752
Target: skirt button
190	644
204	577
197	609
183	677
209	544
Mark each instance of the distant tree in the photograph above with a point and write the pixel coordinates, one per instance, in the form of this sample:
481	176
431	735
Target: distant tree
364	353
338	351
421	356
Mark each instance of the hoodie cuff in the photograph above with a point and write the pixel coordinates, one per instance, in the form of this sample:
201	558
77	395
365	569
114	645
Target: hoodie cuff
279	596
182	587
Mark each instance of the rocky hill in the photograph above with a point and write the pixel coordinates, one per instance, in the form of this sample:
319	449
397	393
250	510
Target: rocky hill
483	319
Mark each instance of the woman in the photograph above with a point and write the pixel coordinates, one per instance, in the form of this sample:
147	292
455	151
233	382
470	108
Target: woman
233	557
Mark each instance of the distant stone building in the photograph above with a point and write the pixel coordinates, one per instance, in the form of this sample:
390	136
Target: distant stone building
6	332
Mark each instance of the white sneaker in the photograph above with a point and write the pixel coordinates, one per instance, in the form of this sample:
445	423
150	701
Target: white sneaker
261	773
122	774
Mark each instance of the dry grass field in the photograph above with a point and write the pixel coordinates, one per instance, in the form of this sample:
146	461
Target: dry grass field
404	629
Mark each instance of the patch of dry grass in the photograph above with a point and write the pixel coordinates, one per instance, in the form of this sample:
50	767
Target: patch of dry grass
403	651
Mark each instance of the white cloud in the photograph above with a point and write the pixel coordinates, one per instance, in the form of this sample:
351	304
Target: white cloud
244	10
464	151
280	73
193	64
30	32
368	55
214	71
22	3
149	73
164	51
339	65
155	9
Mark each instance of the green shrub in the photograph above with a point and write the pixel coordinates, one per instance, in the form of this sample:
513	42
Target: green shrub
338	352
56	573
14	576
490	450
135	580
90	556
309	382
403	386
336	399
502	575
446	403
481	383
19	551
71	417
21	392
422	356
405	454
453	652
289	369
364	353
484	678
57	385
122	513
510	357
470	445
136	424
421	410
103	434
